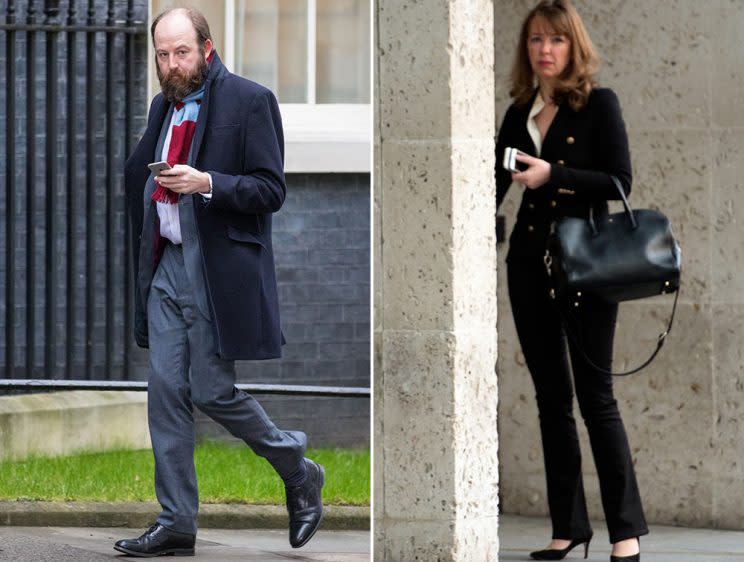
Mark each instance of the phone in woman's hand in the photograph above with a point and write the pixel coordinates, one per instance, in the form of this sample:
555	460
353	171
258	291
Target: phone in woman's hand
510	161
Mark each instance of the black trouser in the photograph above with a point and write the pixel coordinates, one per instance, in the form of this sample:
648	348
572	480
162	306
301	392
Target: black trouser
544	346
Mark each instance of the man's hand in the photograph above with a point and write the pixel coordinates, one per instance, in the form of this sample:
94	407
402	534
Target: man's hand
536	175
184	179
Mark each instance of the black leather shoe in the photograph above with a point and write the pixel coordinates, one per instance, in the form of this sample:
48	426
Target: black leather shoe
560	554
158	541
305	505
631	558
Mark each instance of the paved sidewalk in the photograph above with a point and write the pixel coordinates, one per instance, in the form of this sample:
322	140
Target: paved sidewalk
521	535
87	544
518	535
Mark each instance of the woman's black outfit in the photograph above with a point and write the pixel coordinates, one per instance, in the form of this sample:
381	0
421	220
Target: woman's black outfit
583	147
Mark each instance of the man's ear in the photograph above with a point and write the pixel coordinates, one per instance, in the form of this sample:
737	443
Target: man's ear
207	48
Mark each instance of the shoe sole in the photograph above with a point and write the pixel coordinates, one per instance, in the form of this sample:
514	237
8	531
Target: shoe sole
170	552
322	511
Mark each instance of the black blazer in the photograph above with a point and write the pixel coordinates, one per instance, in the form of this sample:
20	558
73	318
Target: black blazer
583	147
239	141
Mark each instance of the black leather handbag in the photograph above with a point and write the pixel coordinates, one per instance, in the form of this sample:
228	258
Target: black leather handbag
616	257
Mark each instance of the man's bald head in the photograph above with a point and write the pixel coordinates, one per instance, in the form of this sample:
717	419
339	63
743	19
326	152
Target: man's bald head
198	21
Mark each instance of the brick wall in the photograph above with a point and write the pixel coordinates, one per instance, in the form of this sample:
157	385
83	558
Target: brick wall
322	251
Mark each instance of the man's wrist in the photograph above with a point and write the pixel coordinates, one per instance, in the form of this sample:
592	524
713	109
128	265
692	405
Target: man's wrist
208	193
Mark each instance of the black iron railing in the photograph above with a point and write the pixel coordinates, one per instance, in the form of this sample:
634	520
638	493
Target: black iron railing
56	142
283	389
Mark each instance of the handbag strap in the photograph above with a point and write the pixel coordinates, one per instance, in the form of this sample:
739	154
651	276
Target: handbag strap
626	205
576	339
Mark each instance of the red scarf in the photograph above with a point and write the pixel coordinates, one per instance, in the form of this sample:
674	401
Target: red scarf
183	125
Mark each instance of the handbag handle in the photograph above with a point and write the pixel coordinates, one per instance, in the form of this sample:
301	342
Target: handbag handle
576	339
626	204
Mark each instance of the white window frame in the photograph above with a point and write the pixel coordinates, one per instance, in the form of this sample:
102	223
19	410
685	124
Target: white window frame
318	138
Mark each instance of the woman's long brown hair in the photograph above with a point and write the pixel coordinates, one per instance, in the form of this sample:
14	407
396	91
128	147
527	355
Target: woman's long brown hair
577	80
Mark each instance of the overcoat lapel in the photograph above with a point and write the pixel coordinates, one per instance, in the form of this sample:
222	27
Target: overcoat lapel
216	70
201	122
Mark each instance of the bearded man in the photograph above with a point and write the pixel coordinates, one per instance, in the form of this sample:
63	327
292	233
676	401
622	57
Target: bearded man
206	290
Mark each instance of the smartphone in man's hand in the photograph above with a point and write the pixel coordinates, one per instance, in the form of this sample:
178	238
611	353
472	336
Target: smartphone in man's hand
157	167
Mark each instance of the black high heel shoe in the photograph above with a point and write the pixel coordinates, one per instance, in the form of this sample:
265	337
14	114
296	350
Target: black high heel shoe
560	553
631	558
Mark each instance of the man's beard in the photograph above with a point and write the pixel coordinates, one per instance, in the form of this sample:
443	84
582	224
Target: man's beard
176	85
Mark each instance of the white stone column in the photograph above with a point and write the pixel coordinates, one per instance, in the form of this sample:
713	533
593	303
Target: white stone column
436	467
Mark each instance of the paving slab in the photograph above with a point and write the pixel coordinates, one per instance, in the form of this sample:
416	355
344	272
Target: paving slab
520	535
94	544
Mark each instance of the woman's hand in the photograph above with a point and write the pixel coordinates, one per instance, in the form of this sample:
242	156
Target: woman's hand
536	175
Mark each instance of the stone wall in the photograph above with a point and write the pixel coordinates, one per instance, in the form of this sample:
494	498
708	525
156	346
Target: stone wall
676	67
65	423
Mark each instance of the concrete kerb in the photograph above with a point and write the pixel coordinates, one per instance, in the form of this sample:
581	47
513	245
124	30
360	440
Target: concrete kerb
143	514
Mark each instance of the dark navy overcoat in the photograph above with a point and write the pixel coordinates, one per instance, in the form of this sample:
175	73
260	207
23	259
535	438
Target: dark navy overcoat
239	141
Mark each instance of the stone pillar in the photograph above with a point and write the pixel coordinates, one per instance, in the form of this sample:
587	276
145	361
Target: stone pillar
436	467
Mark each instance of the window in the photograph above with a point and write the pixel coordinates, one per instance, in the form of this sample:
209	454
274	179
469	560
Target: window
271	46
315	56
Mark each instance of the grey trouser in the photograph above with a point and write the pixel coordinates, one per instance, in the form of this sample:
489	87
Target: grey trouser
185	372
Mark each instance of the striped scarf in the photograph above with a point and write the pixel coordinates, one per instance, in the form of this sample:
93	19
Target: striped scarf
183	125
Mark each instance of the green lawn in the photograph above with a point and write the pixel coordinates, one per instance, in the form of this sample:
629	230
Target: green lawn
227	474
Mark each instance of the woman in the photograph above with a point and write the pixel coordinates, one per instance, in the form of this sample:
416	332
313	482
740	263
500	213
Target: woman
573	139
